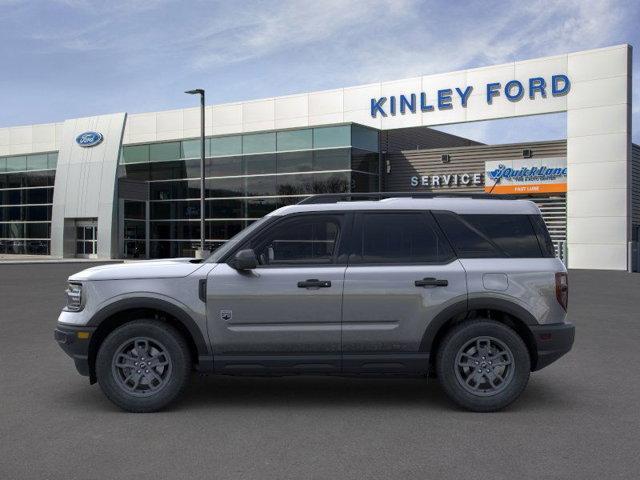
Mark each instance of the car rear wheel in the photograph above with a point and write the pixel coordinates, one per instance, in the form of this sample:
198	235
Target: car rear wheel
483	365
143	365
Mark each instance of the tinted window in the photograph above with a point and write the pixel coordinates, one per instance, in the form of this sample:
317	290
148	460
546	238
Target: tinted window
222	146
295	140
255	164
326	137
295	162
334	159
159	152
259	142
224	166
467	241
513	234
482	236
399	238
309	240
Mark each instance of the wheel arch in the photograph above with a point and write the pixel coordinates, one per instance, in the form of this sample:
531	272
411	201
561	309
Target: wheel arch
503	311
126	310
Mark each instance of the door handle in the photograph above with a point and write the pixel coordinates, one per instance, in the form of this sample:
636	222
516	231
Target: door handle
431	282
314	283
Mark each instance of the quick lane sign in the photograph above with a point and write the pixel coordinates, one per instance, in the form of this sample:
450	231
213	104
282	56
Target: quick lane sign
446	99
531	175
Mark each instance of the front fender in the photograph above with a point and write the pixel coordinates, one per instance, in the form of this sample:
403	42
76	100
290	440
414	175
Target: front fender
158	302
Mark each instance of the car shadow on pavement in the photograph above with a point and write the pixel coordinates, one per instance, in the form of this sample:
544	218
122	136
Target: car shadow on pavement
303	392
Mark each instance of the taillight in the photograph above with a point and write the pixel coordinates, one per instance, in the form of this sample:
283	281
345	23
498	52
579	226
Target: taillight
562	289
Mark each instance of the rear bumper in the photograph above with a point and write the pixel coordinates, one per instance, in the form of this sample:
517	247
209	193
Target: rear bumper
75	343
552	342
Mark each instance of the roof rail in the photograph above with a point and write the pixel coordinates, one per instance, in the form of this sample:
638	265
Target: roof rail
351	197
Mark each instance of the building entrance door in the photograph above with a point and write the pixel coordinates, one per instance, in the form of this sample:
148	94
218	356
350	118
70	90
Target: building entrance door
87	239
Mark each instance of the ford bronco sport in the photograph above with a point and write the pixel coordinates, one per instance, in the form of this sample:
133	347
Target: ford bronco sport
465	289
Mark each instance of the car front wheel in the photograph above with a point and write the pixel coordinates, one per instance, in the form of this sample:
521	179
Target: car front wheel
483	365
143	365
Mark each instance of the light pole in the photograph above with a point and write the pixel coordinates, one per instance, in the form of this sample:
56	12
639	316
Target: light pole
202	253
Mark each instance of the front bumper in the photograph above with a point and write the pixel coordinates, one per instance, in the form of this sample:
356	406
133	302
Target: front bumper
75	340
552	342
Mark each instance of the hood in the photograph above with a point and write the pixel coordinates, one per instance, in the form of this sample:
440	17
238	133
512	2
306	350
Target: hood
173	268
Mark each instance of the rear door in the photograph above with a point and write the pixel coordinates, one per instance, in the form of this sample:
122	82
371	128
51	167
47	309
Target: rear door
401	274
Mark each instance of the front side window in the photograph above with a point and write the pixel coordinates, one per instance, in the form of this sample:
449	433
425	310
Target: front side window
399	238
302	241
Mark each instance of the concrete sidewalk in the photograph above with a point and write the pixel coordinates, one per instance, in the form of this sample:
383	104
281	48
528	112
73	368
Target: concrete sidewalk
25	259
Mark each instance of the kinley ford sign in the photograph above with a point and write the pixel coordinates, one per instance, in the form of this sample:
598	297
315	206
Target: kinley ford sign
445	99
531	175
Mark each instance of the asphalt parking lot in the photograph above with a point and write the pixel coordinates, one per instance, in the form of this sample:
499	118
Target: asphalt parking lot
579	418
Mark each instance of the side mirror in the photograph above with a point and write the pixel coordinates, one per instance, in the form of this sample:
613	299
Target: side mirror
245	260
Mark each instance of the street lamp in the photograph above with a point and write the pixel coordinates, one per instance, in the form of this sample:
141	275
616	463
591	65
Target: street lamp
201	253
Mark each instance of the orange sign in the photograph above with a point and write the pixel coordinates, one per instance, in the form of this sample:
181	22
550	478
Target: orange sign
531	188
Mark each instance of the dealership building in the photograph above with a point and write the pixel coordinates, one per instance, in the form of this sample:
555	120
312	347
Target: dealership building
127	185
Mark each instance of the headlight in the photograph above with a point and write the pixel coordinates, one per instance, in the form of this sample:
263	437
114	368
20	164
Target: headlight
74	297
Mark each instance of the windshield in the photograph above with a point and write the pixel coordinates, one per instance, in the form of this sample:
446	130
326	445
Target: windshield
236	240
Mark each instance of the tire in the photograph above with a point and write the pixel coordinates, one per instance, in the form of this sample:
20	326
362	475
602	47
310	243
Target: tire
502	360
139	383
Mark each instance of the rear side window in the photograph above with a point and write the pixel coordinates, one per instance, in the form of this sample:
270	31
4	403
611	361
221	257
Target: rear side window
483	236
467	241
399	238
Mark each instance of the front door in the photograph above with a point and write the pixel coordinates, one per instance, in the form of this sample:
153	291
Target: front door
285	314
401	274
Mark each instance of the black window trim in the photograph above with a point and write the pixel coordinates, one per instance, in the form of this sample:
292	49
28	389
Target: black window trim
540	236
357	228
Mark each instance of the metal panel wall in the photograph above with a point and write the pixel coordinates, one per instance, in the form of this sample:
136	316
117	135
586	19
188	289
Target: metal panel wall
470	159
635	184
410	163
417	138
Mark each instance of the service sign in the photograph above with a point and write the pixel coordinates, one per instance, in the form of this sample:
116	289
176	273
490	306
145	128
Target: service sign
526	175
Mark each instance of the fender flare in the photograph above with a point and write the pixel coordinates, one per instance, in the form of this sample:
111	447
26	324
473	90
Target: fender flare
202	347
465	306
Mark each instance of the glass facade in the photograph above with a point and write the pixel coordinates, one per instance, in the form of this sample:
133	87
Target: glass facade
247	176
26	196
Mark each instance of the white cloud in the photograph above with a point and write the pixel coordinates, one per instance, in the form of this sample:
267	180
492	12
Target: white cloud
290	46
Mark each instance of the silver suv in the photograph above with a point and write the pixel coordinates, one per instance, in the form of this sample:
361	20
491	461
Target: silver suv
465	289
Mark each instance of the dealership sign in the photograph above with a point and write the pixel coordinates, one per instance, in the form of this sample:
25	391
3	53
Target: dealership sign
517	176
531	175
448	180
89	139
448	98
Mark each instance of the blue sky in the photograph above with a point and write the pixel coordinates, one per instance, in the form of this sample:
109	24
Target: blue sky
73	58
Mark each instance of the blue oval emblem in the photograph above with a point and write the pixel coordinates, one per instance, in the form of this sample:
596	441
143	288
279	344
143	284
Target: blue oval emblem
89	139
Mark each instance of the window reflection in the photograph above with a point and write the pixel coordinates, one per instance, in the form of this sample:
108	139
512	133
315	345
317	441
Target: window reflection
248	176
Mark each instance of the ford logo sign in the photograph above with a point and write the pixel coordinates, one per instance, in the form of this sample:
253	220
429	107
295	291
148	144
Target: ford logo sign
89	139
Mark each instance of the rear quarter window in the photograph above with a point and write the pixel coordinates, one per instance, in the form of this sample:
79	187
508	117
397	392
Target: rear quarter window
491	236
